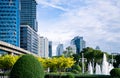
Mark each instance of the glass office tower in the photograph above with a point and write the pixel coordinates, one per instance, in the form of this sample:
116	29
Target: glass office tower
79	43
10	21
50	48
28	29
59	50
28	14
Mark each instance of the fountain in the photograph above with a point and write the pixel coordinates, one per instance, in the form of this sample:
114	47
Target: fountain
105	70
106	67
97	69
90	68
110	67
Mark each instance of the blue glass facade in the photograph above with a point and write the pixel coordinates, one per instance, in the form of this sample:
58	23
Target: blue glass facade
79	43
28	39
28	14
50	48
10	21
60	49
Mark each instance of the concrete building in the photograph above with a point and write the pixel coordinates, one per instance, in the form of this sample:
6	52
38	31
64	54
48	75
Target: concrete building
28	39
29	27
79	43
43	47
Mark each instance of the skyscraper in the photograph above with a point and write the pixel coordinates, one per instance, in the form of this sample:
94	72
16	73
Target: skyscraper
79	43
28	14
59	49
97	48
10	22
28	39
28	36
73	48
43	47
50	48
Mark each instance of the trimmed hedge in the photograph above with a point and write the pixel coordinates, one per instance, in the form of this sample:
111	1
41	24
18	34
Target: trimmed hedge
67	75
27	67
115	72
70	75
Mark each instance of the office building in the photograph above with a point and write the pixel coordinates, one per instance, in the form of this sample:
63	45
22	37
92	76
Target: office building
10	22
29	27
79	43
50	48
28	14
43	47
97	48
59	50
28	39
73	48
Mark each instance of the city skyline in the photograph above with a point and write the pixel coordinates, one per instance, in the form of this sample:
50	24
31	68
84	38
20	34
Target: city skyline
97	21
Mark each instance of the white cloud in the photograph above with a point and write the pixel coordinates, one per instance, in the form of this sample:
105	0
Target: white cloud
51	4
98	21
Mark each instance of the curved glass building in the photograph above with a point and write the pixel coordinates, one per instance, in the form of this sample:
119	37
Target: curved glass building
10	21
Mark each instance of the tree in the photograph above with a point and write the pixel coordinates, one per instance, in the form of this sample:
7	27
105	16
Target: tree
93	55
76	58
27	67
7	61
117	63
76	69
69	52
57	63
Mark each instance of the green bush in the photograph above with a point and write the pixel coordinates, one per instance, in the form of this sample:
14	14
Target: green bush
115	72
76	69
27	67
70	75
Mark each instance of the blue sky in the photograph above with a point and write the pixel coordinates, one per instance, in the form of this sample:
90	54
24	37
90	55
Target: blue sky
98	21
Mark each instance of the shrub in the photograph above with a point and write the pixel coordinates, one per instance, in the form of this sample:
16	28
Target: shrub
70	75
27	66
76	69
115	72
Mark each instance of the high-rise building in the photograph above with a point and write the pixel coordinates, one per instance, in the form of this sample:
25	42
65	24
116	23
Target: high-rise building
28	14
59	49
43	47
10	22
73	49
28	36
97	48
28	39
50	48
79	43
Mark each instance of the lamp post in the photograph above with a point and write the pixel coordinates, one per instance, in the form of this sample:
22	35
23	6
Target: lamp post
113	60
83	61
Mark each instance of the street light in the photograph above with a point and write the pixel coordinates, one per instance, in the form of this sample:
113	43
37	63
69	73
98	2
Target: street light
83	60
113	60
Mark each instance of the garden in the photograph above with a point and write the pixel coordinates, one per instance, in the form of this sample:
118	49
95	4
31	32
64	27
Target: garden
66	66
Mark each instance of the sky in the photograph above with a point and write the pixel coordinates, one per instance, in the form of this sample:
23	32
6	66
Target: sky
97	21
